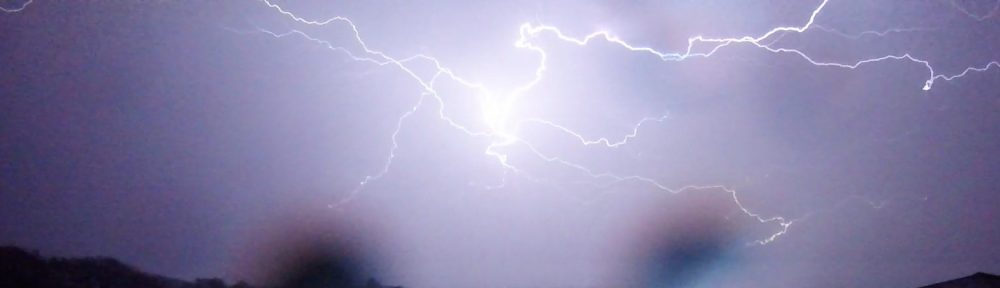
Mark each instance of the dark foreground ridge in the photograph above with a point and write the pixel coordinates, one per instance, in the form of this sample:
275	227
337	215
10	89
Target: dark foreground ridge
20	268
978	280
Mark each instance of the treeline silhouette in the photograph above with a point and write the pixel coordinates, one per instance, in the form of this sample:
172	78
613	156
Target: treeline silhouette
21	268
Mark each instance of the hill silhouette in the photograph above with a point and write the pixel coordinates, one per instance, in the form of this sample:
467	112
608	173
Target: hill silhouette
978	280
21	268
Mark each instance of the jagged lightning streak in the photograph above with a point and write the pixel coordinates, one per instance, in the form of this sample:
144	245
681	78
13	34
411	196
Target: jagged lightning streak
496	110
16	8
718	43
603	140
528	30
491	114
988	15
872	33
783	222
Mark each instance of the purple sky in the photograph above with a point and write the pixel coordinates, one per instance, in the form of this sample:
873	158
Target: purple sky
187	138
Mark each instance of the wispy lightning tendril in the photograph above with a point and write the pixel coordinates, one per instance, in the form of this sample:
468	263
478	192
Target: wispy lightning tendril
984	17
16	8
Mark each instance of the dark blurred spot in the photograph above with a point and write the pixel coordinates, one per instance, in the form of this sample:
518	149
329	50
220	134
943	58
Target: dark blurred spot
682	262
683	245
319	266
335	254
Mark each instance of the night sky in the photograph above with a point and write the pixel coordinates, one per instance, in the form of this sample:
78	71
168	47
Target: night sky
201	138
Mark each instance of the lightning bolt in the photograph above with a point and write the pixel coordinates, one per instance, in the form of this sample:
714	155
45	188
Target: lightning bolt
502	131
988	15
16	9
718	43
872	33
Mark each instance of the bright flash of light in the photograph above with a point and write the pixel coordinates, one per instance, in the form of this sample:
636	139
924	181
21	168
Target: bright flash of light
502	128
